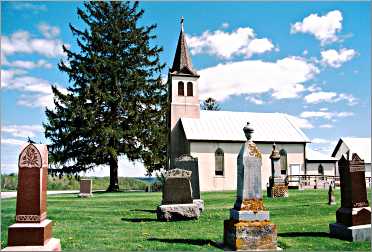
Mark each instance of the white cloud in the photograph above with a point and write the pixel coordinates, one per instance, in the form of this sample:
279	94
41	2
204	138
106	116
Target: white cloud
22	42
300	122
225	25
335	58
28	64
29	84
242	41
324	28
323	109
317	97
284	78
325	114
319	141
35	7
12	141
36	100
8	75
305	52
40	89
326	126
48	31
22	130
313	88
344	114
332	97
254	100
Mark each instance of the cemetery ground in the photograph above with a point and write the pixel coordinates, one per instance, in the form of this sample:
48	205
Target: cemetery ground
127	221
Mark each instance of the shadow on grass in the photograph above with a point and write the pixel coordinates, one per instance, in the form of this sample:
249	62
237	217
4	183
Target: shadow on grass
197	242
304	234
138	219
120	191
143	210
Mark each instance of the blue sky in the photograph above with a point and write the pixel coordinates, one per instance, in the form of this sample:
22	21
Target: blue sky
309	60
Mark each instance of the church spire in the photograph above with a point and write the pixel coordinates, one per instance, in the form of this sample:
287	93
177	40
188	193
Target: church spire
182	60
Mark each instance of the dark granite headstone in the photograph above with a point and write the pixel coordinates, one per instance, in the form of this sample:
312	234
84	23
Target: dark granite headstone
177	187
189	163
352	182
353	193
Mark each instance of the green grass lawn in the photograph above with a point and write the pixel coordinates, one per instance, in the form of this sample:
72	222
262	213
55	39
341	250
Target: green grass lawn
127	221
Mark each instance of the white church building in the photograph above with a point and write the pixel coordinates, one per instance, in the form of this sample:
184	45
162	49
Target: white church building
215	137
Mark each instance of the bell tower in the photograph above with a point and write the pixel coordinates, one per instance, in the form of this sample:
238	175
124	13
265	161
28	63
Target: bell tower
182	84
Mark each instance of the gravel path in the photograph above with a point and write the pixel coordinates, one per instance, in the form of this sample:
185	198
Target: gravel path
6	195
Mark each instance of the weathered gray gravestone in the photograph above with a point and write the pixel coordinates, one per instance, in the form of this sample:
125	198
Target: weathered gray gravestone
353	218
177	188
277	186
177	200
189	163
249	226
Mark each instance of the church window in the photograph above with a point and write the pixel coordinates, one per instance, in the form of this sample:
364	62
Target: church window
283	161
219	162
321	169
189	89
181	91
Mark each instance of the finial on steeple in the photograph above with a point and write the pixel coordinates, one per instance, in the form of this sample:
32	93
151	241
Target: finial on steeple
182	19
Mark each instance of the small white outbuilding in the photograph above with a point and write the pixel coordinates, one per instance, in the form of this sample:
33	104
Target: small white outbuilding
348	145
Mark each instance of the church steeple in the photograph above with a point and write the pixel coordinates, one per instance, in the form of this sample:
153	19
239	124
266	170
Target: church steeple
182	61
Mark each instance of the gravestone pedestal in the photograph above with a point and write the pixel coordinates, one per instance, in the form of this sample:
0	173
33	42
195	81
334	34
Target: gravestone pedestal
32	228
85	188
177	203
353	218
249	226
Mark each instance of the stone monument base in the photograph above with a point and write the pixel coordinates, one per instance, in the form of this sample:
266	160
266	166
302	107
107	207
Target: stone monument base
353	233
250	235
52	244
353	216
30	234
199	203
178	212
85	195
277	191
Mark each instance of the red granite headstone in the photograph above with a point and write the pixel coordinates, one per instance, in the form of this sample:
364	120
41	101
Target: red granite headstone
32	228
354	208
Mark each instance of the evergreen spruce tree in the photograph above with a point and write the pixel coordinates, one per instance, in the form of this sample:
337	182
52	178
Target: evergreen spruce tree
117	104
210	104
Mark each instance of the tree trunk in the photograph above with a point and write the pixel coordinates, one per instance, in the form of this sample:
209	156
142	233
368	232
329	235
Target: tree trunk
114	180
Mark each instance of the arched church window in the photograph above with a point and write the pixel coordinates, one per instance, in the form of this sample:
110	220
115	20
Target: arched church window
189	89
320	169
219	162
283	161
181	91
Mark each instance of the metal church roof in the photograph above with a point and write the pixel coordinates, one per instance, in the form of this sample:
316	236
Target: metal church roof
228	126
